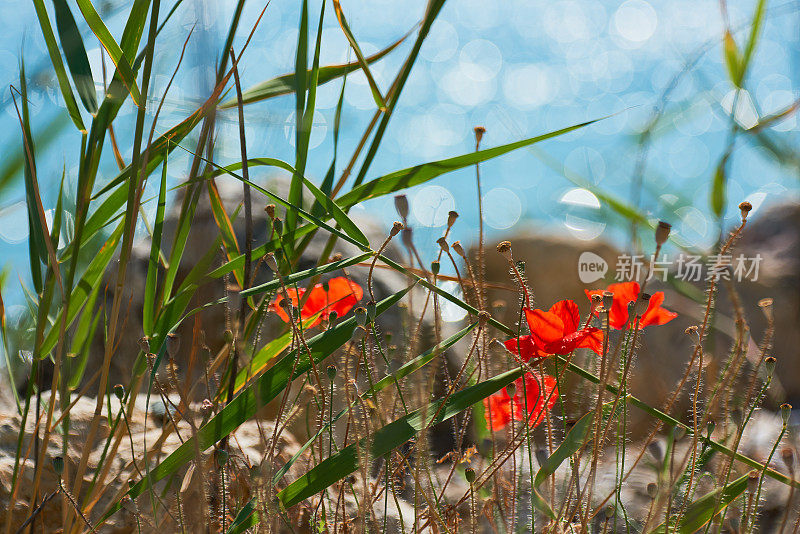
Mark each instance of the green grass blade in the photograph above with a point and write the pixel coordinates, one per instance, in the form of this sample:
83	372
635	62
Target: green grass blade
75	53
255	395
572	443
407	369
376	92
80	293
389	437
422	173
246	518
700	511
287	84
82	340
301	77
58	64
148	308
122	63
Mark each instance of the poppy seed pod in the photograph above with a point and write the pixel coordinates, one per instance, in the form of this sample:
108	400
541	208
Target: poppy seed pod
608	300
479	131
331	372
401	205
396	227
710	428
504	248
270	210
745	208
451	218
766	308
144	344
277	224
511	389
119	391
769	365
58	465
443	244
173	344
786	413
435	266
372	310
662	232
678	432
642	304
271	262
484	316
227	337
652	490
459	249
332	317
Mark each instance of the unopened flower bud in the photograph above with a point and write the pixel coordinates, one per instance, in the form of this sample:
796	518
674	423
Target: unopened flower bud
119	391
270	210
652	490
451	218
277	225
469	474
221	455
745	208
332	316
609	511
227	337
655	448
144	344
766	308
459	249
396	227
662	232
479	131
331	372
678	432
769	365
401	205
435	266
786	413
483	317
443	244
372	310
173	344
361	316
504	248
58	465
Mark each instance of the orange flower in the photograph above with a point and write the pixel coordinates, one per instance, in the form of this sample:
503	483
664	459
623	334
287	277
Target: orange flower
555	332
540	395
624	294
341	295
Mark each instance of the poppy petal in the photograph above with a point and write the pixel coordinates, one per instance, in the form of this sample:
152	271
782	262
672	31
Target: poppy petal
498	410
569	314
655	314
525	347
545	327
343	295
540	395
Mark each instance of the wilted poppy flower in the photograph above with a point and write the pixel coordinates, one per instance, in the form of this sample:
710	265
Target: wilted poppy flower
555	332
541	394
341	295
624	294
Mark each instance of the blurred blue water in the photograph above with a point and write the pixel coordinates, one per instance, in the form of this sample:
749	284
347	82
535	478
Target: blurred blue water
519	67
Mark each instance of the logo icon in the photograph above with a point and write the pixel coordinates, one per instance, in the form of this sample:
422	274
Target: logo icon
591	267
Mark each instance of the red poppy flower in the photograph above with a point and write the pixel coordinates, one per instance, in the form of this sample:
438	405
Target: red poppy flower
341	296
624	294
555	332
541	394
